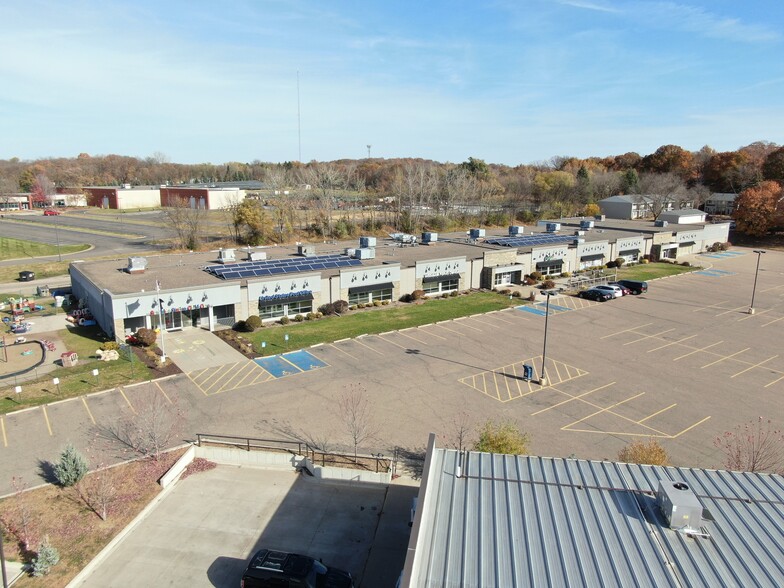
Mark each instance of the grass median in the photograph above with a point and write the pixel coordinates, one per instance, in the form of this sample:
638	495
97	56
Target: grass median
21	249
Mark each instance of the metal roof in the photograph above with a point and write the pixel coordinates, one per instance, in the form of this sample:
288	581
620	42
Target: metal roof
529	521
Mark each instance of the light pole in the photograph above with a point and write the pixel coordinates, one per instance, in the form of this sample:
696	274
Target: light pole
57	236
543	377
162	321
759	253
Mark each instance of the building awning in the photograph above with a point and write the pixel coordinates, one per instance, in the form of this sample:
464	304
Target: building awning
444	278
591	257
504	269
371	288
286	298
686	244
550	263
669	245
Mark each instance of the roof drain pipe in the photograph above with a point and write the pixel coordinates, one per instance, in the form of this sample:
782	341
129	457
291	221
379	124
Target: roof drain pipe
459	472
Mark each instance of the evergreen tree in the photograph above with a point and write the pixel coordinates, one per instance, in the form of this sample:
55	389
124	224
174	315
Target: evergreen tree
71	468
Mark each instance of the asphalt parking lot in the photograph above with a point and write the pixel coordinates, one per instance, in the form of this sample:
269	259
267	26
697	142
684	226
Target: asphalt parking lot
683	364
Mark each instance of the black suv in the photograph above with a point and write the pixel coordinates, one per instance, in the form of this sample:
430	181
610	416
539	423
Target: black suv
635	286
277	569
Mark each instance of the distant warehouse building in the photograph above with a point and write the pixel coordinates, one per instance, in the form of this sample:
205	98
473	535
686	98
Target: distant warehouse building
123	197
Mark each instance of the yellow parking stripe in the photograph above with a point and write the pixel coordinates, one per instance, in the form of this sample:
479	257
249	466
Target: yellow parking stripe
46	418
87	408
658	412
751	367
725	357
2	428
605	409
133	410
578	397
166	396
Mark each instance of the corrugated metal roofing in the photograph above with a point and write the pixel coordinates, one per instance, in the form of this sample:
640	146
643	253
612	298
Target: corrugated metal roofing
513	521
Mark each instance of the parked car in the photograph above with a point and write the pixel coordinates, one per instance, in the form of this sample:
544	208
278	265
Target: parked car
615	291
635	286
277	569
595	295
26	276
624	290
51	212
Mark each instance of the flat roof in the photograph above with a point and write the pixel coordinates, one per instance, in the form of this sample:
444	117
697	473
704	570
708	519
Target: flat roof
532	521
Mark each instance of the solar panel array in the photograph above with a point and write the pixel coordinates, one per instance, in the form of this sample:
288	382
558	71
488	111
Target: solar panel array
273	267
528	240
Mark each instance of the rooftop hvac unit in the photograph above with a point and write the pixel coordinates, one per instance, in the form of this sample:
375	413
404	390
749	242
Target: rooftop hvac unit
226	256
429	237
367	241
600	217
366	253
351	251
476	233
257	256
306	250
126	186
579	241
136	265
586	224
679	505
553	227
579	233
516	230
660	223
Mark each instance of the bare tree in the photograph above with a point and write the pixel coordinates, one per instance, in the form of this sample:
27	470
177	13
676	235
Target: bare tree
415	188
755	446
357	415
150	427
17	518
186	222
663	190
100	491
462	428
327	183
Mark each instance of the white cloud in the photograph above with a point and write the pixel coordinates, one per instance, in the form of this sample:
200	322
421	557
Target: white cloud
605	7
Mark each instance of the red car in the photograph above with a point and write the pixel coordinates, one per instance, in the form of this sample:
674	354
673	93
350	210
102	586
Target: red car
51	212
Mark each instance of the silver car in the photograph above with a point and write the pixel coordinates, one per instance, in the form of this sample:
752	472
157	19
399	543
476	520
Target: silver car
614	290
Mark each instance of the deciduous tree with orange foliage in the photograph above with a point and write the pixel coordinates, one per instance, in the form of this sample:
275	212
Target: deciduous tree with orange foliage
759	208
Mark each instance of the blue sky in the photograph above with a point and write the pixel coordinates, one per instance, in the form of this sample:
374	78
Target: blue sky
508	81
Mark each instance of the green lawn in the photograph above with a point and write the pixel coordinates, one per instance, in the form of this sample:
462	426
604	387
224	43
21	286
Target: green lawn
376	320
651	271
18	248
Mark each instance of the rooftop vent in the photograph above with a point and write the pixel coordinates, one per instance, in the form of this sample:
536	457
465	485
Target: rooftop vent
680	506
226	256
365	253
306	250
516	230
136	265
579	241
660	223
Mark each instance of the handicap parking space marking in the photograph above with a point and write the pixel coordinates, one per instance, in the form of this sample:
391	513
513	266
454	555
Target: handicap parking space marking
554	308
304	360
531	309
278	366
714	273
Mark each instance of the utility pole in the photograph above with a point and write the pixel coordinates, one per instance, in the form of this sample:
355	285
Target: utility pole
299	123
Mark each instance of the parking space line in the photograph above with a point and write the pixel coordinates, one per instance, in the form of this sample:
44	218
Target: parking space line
166	396
689	428
2	428
658	412
625	331
448	329
751	367
756	314
725	357
413	338
46	418
717	305
368	347
392	342
87	408
673	343
774	321
643	337
469	326
578	397
772	288
239	376
698	350
606	409
774	381
133	410
731	310
342	350
426	332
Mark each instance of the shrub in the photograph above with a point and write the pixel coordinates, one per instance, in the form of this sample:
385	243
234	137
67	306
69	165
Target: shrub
536	276
340	306
352	307
685	264
110	346
642	452
502	437
146	337
284	320
46	559
299	318
454	293
532	296
566	274
385	302
529	281
327	309
243	327
620	261
417	294
610	264
253	322
505	291
311	316
644	261
319	315
516	294
376	303
725	246
548	284
71	468
405	298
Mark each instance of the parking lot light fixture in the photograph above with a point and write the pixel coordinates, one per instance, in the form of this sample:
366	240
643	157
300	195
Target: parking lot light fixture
759	253
543	377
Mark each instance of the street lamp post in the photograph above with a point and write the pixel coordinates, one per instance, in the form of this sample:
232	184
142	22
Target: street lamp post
759	253
543	377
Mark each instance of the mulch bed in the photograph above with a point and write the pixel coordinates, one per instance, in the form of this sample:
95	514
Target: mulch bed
156	371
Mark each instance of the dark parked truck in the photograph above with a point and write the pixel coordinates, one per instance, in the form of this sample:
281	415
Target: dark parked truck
635	286
277	569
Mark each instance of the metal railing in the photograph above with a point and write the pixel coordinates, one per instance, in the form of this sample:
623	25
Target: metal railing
372	462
